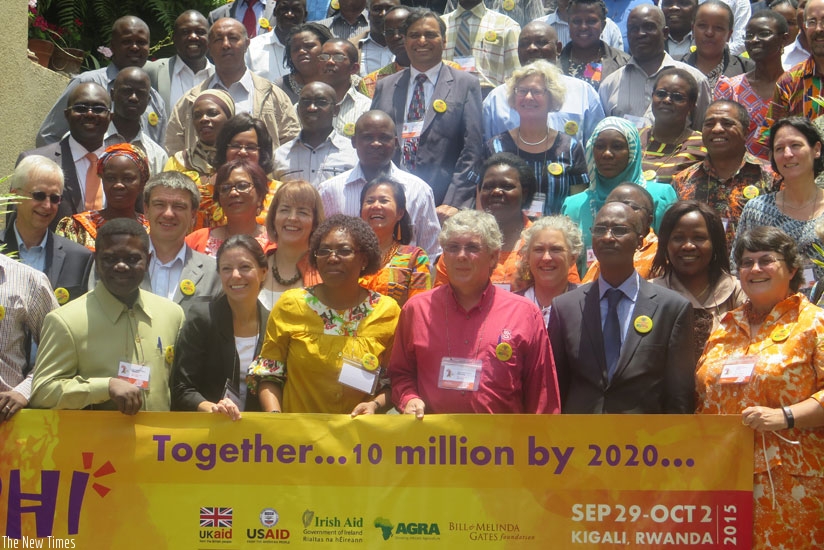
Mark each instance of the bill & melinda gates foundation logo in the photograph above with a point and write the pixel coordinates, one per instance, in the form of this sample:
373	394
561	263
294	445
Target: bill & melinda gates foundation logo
43	505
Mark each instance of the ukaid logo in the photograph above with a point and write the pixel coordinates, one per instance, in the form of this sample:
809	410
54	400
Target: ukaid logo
268	518
407	530
43	505
215	524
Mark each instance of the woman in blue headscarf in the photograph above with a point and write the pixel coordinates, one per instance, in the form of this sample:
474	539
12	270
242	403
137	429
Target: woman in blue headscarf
614	157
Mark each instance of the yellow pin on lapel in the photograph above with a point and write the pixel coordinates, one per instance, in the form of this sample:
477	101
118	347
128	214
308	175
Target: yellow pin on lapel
187	287
509	5
62	295
349	129
370	361
439	105
571	128
169	354
153	118
642	324
780	334
491	36
751	191
503	351
555	169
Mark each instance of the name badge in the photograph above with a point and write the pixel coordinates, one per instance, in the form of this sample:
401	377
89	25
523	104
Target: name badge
809	276
137	375
467	63
460	374
353	374
229	392
590	257
738	370
536	209
412	129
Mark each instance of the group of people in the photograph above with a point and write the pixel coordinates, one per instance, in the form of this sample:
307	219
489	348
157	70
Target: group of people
493	210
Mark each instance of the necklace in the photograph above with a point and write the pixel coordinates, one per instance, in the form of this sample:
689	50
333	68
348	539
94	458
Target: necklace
389	253
276	275
814	201
754	317
525	142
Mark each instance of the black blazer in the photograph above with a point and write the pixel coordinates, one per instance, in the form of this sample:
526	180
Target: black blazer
68	264
205	355
451	143
656	369
61	153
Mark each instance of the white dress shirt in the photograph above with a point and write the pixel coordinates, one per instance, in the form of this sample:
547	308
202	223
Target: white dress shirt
297	160
242	92
184	79
82	165
166	277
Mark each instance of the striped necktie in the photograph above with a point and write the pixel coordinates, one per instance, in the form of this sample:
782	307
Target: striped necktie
463	45
414	114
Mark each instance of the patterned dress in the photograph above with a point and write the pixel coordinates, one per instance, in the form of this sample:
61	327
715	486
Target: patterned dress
738	89
306	343
667	159
406	274
82	227
788	487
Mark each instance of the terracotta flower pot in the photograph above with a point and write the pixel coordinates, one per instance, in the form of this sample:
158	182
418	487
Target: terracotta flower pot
43	49
67	60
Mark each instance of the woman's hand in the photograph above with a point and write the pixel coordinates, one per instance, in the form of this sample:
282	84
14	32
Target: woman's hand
414	406
367	407
764	419
227	406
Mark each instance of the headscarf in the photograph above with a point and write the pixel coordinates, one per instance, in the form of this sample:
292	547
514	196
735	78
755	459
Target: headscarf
125	150
201	156
602	186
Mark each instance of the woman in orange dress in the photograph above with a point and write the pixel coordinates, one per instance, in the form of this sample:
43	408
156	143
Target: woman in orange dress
765	361
404	268
123	171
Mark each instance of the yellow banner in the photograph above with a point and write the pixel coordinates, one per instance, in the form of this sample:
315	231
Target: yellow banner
89	480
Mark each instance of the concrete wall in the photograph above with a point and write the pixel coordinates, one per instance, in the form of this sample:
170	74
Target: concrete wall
27	90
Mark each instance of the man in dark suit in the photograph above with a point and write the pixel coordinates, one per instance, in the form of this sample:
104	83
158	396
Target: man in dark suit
622	344
437	115
88	115
66	264
173	76
175	271
237	10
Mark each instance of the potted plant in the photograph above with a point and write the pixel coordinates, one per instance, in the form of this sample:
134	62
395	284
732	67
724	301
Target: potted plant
41	35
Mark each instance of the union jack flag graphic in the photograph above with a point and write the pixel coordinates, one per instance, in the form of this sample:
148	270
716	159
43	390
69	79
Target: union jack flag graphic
215	517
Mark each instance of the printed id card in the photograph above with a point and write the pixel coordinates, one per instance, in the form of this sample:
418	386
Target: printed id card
354	375
137	375
460	374
412	129
738	370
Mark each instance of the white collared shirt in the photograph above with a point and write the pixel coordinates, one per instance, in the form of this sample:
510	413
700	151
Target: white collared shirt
265	56
155	154
82	165
184	79
242	92
428	86
297	160
373	56
166	277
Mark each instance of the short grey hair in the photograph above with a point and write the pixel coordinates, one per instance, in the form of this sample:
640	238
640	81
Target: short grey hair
33	168
569	229
473	222
552	80
172	180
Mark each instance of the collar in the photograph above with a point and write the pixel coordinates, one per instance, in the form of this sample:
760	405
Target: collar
667	61
329	139
356	174
245	82
747	159
22	245
629	287
478	11
246	2
78	151
431	74
111	73
180	66
114	308
180	257
790	307
687	38
720	293
649	239
486	297
809	68
139	139
364	16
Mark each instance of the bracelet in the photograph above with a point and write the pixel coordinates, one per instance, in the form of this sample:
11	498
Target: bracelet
788	415
274	411
377	405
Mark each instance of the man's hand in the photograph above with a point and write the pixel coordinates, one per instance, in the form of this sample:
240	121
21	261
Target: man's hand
11	402
126	396
445	212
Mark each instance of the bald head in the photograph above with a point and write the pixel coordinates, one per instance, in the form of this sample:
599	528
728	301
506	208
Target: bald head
538	40
129	42
370	118
647	33
374	141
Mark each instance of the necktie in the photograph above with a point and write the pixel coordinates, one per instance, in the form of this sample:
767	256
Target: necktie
612	331
414	114
463	44
94	191
250	19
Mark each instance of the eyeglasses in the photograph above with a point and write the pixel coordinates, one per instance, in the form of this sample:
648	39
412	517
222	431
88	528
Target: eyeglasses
471	249
82	109
813	24
241	147
40	196
536	92
240	187
319	103
764	262
342	253
616	230
676	97
761	35
336	57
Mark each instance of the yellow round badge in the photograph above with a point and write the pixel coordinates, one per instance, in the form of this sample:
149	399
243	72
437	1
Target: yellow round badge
153	118
2	312
571	128
642	324
649	175
693	48
61	294
509	5
503	351
263	23
335	4
439	105
555	169
751	191
370	361
187	287
780	334
349	129
169	354
491	36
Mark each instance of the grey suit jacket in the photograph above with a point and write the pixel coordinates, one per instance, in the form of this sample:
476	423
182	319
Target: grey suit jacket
61	153
202	271
451	143
656	369
160	73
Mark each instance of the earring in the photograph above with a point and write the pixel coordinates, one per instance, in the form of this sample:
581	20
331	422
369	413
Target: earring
398	232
